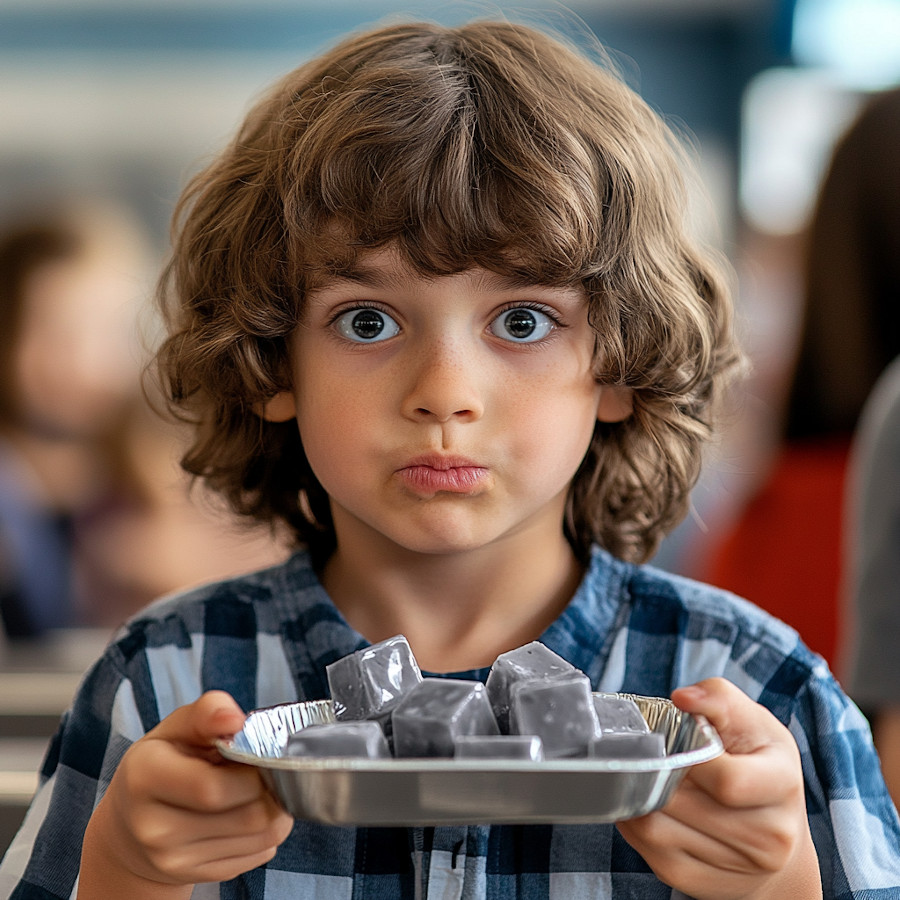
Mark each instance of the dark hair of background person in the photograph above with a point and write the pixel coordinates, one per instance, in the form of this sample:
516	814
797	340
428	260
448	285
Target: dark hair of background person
25	248
851	323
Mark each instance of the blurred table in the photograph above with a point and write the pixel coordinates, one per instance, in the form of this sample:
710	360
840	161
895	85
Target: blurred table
38	679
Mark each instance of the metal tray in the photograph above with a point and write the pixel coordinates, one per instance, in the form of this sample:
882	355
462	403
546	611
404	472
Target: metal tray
402	792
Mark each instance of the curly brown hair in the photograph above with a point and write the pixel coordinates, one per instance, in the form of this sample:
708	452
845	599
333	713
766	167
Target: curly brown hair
490	145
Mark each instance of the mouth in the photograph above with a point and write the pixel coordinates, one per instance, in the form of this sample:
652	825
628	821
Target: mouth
435	474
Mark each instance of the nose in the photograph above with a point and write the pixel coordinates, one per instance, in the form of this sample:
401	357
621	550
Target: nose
443	385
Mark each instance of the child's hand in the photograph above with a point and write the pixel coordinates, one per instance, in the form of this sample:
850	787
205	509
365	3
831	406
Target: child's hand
177	814
736	827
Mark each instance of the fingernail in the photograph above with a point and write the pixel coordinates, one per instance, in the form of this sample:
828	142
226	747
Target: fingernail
223	713
692	692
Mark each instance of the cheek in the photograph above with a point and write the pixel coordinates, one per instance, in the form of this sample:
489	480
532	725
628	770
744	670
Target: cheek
565	393
562	434
331	423
555	423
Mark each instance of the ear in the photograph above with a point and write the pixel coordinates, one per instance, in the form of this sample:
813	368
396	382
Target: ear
279	408
616	403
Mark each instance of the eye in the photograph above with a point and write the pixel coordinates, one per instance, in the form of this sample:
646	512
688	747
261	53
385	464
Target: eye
366	326
522	325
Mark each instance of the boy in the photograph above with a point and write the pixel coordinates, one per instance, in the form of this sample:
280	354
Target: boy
436	309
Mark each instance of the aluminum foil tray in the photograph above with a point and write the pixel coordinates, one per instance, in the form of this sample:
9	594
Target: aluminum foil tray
403	792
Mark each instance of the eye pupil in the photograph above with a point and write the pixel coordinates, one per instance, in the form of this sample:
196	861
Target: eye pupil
520	323
368	323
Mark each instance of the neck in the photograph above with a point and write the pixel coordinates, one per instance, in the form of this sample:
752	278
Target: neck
458	611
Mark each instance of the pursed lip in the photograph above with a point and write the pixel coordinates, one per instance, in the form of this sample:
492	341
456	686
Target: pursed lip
442	463
434	473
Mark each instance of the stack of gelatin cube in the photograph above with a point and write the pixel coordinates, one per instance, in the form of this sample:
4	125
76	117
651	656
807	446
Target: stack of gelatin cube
534	706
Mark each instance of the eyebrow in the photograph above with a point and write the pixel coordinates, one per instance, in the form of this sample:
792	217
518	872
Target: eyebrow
375	276
367	275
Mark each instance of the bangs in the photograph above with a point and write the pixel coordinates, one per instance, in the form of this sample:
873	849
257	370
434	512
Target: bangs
451	163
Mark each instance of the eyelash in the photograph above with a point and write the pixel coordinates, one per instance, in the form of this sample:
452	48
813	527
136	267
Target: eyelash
357	305
548	311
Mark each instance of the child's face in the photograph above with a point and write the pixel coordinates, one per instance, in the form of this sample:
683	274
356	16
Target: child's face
75	360
444	413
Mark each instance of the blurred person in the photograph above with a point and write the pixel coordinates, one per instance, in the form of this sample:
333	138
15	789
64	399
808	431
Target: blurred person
156	532
70	282
784	552
869	646
96	519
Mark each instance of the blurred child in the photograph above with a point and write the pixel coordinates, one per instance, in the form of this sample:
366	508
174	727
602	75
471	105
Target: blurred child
436	308
95	516
70	284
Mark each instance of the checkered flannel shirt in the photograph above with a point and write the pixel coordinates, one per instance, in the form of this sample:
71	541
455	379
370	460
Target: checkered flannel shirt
266	638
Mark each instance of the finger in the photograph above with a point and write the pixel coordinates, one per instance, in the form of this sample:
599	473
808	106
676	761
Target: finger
235	846
681	858
229	867
182	778
768	777
218	854
691	841
228	859
743	724
200	724
761	763
756	834
182	828
663	840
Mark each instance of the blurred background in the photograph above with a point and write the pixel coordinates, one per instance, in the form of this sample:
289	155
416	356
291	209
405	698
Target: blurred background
108	106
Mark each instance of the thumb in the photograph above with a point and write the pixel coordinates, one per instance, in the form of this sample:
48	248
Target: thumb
743	724
200	724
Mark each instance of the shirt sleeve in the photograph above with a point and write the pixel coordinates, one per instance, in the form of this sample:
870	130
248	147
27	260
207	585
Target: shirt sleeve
43	860
853	822
852	819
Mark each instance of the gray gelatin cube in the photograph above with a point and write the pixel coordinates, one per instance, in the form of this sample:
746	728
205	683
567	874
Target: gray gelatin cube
429	720
343	739
619	714
560	711
369	683
499	746
525	663
628	745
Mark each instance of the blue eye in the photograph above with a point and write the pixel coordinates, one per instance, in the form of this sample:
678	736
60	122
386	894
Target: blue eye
522	325
366	326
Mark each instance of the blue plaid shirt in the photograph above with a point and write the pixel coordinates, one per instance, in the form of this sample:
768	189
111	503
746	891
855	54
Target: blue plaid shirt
266	638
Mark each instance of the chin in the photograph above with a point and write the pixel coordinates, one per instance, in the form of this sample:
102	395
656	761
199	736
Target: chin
439	544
